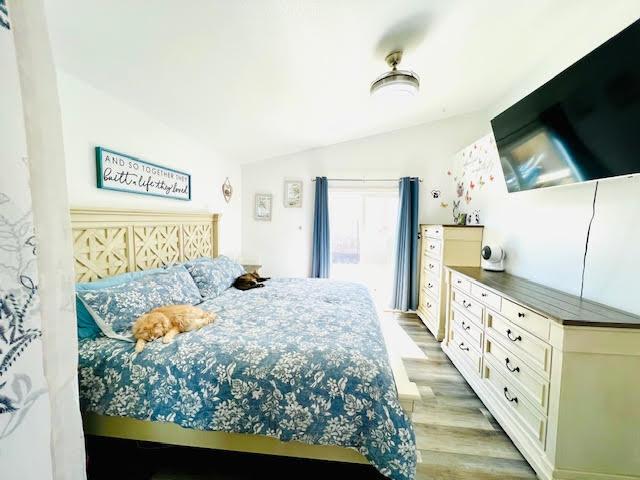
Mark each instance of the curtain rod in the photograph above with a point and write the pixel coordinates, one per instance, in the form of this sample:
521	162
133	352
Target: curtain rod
362	179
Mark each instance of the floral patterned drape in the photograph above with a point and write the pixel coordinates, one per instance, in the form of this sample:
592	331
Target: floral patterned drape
24	405
40	428
4	15
21	380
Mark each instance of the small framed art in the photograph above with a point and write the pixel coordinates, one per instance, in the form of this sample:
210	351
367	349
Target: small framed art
293	193
263	205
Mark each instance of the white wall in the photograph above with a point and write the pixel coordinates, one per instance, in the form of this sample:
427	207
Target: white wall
93	118
544	231
283	246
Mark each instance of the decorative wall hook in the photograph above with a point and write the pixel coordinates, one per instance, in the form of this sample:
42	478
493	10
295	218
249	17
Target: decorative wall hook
227	190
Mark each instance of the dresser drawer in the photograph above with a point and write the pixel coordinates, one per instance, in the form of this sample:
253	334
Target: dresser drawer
490	299
459	347
470	328
430	306
434	231
527	418
431	284
423	296
460	282
528	381
472	307
432	247
527	319
533	351
427	303
431	265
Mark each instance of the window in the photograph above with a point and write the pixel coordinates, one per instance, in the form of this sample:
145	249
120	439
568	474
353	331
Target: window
363	230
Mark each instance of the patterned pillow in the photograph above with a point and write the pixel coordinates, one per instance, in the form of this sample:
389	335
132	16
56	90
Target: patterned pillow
214	276
116	308
87	327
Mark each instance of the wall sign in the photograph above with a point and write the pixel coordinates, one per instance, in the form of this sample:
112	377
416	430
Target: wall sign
124	173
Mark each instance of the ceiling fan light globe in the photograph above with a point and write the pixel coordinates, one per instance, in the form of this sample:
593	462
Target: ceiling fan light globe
396	83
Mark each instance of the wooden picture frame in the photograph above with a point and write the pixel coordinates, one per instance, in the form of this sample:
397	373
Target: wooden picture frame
263	206
124	173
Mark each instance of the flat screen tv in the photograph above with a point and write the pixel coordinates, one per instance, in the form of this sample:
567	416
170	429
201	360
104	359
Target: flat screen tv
582	125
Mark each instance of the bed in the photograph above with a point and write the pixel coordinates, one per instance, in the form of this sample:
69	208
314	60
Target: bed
298	368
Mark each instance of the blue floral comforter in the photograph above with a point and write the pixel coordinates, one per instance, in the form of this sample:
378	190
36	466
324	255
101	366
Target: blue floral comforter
300	359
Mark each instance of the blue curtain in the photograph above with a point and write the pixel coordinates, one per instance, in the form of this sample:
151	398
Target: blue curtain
321	257
405	278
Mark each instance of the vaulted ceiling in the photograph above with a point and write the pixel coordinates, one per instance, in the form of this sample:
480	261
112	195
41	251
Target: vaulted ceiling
254	79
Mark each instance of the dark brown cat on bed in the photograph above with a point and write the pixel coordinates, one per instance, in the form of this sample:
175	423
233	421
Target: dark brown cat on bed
249	281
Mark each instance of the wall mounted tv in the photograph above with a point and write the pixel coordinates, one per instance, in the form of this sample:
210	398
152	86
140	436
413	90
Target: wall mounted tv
582	125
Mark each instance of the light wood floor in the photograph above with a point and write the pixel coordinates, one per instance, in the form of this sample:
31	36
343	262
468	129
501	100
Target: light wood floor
457	437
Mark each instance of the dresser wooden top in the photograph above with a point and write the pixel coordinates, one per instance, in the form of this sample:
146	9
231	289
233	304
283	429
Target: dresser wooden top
559	306
450	225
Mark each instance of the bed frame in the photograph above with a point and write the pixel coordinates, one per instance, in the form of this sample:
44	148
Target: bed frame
108	242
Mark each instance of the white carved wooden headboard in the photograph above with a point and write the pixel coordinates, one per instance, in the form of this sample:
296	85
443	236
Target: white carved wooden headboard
107	242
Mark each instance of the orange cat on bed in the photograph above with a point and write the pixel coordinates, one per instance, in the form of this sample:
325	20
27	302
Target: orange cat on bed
167	322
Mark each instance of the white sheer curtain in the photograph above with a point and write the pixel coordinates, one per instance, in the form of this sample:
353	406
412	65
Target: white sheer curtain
24	401
43	124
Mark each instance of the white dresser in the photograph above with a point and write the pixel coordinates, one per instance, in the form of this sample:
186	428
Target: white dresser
561	375
443	245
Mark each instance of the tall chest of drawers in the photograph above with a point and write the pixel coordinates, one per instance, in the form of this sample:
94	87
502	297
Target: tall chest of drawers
443	245
560	374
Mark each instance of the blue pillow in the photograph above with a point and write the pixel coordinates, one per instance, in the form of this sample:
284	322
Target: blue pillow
87	327
214	276
116	308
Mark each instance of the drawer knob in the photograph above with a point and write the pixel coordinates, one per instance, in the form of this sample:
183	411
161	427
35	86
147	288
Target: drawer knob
431	247
428	305
431	265
430	285
512	338
506	395
459	282
462	347
520	314
465	326
466	304
483	294
506	362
